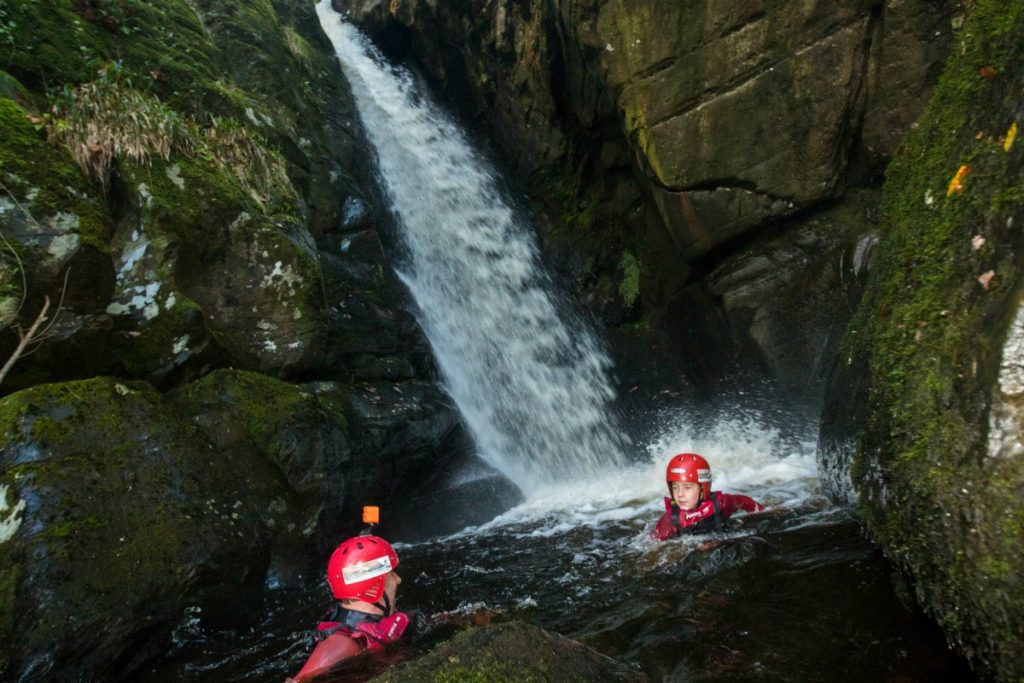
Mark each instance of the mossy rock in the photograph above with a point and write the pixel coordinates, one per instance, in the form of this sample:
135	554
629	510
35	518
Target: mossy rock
47	205
294	454
512	652
200	261
120	514
930	346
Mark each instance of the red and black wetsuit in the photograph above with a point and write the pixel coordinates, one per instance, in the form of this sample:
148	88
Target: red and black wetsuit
345	633
709	515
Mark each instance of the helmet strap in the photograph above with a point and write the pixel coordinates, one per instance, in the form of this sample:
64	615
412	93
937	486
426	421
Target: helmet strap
386	606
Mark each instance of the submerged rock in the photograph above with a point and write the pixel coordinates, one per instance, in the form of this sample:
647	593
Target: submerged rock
511	652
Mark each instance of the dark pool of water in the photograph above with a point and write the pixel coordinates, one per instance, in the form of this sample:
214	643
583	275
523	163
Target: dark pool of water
788	597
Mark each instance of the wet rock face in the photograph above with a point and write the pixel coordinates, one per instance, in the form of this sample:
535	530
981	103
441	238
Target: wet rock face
736	113
511	652
778	308
923	408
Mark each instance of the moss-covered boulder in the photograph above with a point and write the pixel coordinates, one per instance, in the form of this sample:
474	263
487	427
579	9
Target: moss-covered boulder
117	515
924	415
293	454
511	652
313	454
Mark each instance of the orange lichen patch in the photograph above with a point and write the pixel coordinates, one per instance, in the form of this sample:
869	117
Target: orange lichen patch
987	72
1011	135
957	183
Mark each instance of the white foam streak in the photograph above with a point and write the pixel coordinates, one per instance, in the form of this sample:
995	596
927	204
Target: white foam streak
530	382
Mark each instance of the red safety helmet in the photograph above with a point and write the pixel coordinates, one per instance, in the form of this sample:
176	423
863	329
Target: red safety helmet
690	467
358	567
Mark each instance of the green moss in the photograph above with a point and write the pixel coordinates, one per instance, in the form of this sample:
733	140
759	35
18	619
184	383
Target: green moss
45	180
154	348
162	45
932	332
629	288
485	671
62	530
263	402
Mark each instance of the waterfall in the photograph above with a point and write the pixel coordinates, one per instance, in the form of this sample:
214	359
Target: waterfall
530	382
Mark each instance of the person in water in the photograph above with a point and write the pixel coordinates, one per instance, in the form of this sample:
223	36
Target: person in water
362	577
692	507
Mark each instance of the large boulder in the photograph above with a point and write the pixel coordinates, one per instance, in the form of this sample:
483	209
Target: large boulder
251	282
923	418
295	460
118	514
313	454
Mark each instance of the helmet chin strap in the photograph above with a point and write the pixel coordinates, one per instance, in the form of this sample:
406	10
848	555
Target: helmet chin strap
386	606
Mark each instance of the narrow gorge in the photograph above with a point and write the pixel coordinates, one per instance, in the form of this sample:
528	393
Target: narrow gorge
488	265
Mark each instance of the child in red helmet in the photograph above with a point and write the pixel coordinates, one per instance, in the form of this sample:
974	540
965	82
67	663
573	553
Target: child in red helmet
692	507
362	577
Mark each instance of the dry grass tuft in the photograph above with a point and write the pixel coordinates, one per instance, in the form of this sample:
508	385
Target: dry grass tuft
107	119
103	120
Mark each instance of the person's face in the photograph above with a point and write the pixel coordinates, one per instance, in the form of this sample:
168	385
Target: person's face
686	494
391	582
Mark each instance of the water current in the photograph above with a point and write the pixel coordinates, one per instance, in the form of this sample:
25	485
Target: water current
792	594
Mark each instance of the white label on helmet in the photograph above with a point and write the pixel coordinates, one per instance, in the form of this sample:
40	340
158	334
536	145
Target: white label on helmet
365	571
703	476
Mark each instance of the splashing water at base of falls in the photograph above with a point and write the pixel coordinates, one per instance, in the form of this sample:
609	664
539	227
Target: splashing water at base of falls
531	383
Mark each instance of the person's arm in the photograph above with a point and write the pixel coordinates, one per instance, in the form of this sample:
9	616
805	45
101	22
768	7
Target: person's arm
731	502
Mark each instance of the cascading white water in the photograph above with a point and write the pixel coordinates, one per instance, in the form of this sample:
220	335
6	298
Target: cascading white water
531	384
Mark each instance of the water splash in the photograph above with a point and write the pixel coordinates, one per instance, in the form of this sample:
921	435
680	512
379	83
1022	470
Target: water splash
747	455
531	383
